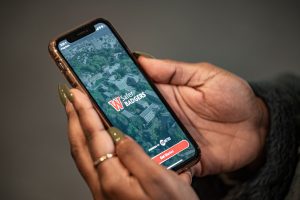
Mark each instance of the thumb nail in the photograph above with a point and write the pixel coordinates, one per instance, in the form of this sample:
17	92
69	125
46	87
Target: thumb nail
140	53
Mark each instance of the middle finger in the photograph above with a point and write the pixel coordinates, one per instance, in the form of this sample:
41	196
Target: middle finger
114	177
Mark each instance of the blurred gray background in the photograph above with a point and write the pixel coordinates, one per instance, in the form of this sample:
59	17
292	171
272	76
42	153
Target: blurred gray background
254	39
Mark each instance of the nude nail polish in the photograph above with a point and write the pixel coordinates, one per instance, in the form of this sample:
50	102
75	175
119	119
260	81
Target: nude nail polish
116	134
67	92
62	95
140	53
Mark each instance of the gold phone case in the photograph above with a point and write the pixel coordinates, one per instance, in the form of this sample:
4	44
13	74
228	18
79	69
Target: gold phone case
65	69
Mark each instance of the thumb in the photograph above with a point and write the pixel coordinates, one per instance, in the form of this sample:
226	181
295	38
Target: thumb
168	71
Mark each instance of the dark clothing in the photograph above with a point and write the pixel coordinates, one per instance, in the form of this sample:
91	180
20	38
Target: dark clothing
279	176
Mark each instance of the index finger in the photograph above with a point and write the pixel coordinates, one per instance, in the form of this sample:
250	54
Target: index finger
169	71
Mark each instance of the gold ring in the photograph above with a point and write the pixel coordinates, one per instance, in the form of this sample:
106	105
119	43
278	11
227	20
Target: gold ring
103	158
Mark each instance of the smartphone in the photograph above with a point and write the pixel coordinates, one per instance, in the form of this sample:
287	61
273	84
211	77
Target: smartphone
94	58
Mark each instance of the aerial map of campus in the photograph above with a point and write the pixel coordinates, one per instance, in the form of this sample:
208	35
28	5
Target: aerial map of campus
125	96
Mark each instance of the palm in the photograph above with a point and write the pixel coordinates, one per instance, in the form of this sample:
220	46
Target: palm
222	114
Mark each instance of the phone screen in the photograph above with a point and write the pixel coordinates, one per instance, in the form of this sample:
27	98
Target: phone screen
125	96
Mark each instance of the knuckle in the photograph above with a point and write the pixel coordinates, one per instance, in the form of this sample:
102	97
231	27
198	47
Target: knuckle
81	103
92	129
127	147
82	99
84	107
156	177
86	114
75	151
207	65
70	111
175	64
90	135
169	61
111	186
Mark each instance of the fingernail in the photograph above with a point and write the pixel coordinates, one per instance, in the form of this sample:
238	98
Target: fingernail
116	134
67	92
62	95
140	53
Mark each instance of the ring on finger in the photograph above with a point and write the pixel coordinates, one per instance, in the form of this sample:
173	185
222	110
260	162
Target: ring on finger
103	158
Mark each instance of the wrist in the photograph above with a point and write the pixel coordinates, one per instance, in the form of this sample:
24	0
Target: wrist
273	178
248	171
262	129
263	120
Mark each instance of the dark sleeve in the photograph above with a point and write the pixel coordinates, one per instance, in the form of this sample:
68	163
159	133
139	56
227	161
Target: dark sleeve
273	179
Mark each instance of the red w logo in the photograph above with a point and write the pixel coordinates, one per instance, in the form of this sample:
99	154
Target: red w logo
116	103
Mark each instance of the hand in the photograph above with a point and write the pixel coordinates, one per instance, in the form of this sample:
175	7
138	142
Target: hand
218	108
130	175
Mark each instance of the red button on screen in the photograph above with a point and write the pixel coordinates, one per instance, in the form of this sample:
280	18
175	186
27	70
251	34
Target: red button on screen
170	152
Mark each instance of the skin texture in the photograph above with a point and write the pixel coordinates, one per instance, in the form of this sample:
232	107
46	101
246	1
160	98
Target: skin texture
219	109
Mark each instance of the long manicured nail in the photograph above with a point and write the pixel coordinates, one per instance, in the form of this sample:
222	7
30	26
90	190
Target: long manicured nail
67	92
116	134
62	95
140	53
